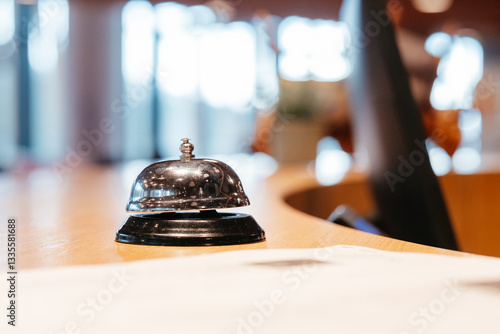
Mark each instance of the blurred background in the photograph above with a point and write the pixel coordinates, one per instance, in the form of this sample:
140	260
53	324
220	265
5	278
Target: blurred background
113	81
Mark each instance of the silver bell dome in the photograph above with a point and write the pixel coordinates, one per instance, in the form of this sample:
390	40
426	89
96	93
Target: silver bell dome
185	185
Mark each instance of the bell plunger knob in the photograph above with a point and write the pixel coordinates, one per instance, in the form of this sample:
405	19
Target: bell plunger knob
186	149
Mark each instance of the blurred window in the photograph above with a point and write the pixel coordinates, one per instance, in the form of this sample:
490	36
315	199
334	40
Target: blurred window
47	59
7	21
459	72
33	40
186	72
8	89
197	79
312	50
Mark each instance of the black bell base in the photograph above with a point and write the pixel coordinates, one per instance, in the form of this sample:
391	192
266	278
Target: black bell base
204	228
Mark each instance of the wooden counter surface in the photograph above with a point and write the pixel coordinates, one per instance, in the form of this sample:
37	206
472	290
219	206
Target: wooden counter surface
73	220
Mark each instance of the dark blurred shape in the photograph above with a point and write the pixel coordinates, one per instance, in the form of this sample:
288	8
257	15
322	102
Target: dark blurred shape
388	130
24	13
346	216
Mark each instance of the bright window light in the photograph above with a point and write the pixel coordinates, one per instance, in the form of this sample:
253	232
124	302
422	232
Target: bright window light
173	16
203	15
466	160
294	67
180	27
54	16
329	67
227	65
294	34
312	49
8	93
49	36
471	125
328	37
7	23
459	71
332	163
177	57
138	26
439	159
438	44
203	68
177	49
48	39
43	54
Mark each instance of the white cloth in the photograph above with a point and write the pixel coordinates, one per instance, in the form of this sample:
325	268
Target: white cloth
341	289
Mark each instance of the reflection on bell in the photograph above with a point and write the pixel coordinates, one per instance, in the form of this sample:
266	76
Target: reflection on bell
165	194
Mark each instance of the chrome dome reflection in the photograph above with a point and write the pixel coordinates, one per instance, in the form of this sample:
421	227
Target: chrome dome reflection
185	185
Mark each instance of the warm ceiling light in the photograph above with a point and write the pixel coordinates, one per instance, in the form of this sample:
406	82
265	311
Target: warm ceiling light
432	6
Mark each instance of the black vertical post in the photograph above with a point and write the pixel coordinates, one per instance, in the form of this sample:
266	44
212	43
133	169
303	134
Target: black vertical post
156	101
24	15
389	132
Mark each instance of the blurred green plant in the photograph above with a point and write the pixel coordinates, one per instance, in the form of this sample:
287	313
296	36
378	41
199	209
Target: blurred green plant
298	100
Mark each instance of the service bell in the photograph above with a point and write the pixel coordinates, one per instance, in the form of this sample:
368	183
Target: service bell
173	204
